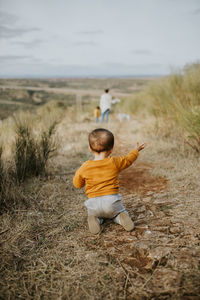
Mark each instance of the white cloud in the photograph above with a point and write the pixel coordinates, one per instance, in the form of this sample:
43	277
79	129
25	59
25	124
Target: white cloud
196	11
85	43
141	52
90	32
9	29
29	44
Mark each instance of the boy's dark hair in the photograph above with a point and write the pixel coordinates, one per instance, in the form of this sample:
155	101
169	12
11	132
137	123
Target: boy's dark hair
101	140
106	90
97	107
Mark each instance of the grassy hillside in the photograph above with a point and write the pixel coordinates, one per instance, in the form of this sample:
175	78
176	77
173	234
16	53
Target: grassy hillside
46	249
175	102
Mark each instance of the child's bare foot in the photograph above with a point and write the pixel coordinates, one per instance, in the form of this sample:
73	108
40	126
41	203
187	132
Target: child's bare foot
126	221
93	224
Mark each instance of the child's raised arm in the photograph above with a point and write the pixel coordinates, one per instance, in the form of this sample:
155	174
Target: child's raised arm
140	147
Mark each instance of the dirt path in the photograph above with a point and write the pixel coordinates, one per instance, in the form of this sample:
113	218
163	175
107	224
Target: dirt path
159	259
155	261
47	251
156	257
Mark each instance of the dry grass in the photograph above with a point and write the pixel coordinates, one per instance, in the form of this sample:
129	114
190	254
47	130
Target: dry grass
175	101
27	141
47	251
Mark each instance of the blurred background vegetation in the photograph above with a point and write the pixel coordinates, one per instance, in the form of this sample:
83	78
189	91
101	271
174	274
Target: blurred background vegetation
174	101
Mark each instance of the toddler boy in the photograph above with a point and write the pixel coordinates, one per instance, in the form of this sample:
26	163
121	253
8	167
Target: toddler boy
100	178
97	113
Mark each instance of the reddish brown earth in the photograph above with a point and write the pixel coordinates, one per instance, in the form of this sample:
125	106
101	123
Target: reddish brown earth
155	261
138	179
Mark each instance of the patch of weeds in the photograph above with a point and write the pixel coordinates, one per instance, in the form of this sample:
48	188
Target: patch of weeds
68	261
107	278
166	207
111	259
19	263
71	226
31	153
94	242
102	263
190	280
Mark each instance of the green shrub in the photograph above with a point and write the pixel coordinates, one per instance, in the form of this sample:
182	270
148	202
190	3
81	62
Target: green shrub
28	142
47	146
31	151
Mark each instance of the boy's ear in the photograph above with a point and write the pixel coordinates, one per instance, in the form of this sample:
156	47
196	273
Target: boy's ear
90	149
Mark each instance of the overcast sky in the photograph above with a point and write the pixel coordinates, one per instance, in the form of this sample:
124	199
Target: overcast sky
97	37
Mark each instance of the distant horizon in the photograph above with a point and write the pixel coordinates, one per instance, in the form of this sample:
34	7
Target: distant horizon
85	77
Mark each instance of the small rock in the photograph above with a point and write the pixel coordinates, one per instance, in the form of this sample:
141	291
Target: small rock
146	199
161	229
149	213
149	193
162	201
141	209
148	232
108	244
132	238
175	230
141	216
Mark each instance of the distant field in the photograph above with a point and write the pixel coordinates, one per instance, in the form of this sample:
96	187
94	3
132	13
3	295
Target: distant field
125	85
26	94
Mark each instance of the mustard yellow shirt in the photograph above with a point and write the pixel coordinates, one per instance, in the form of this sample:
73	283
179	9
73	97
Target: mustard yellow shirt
97	113
100	177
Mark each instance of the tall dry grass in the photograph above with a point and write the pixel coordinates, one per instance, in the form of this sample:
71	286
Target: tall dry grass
32	151
11	194
28	142
137	103
175	102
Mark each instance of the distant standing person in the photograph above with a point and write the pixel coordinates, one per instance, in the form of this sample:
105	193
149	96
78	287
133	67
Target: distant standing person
105	105
97	113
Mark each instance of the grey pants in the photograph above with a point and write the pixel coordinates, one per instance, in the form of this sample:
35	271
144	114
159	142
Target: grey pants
105	207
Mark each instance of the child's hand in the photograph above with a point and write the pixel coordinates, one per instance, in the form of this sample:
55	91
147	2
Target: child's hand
140	147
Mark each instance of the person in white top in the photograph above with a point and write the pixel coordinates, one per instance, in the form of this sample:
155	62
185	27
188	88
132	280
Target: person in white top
105	105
